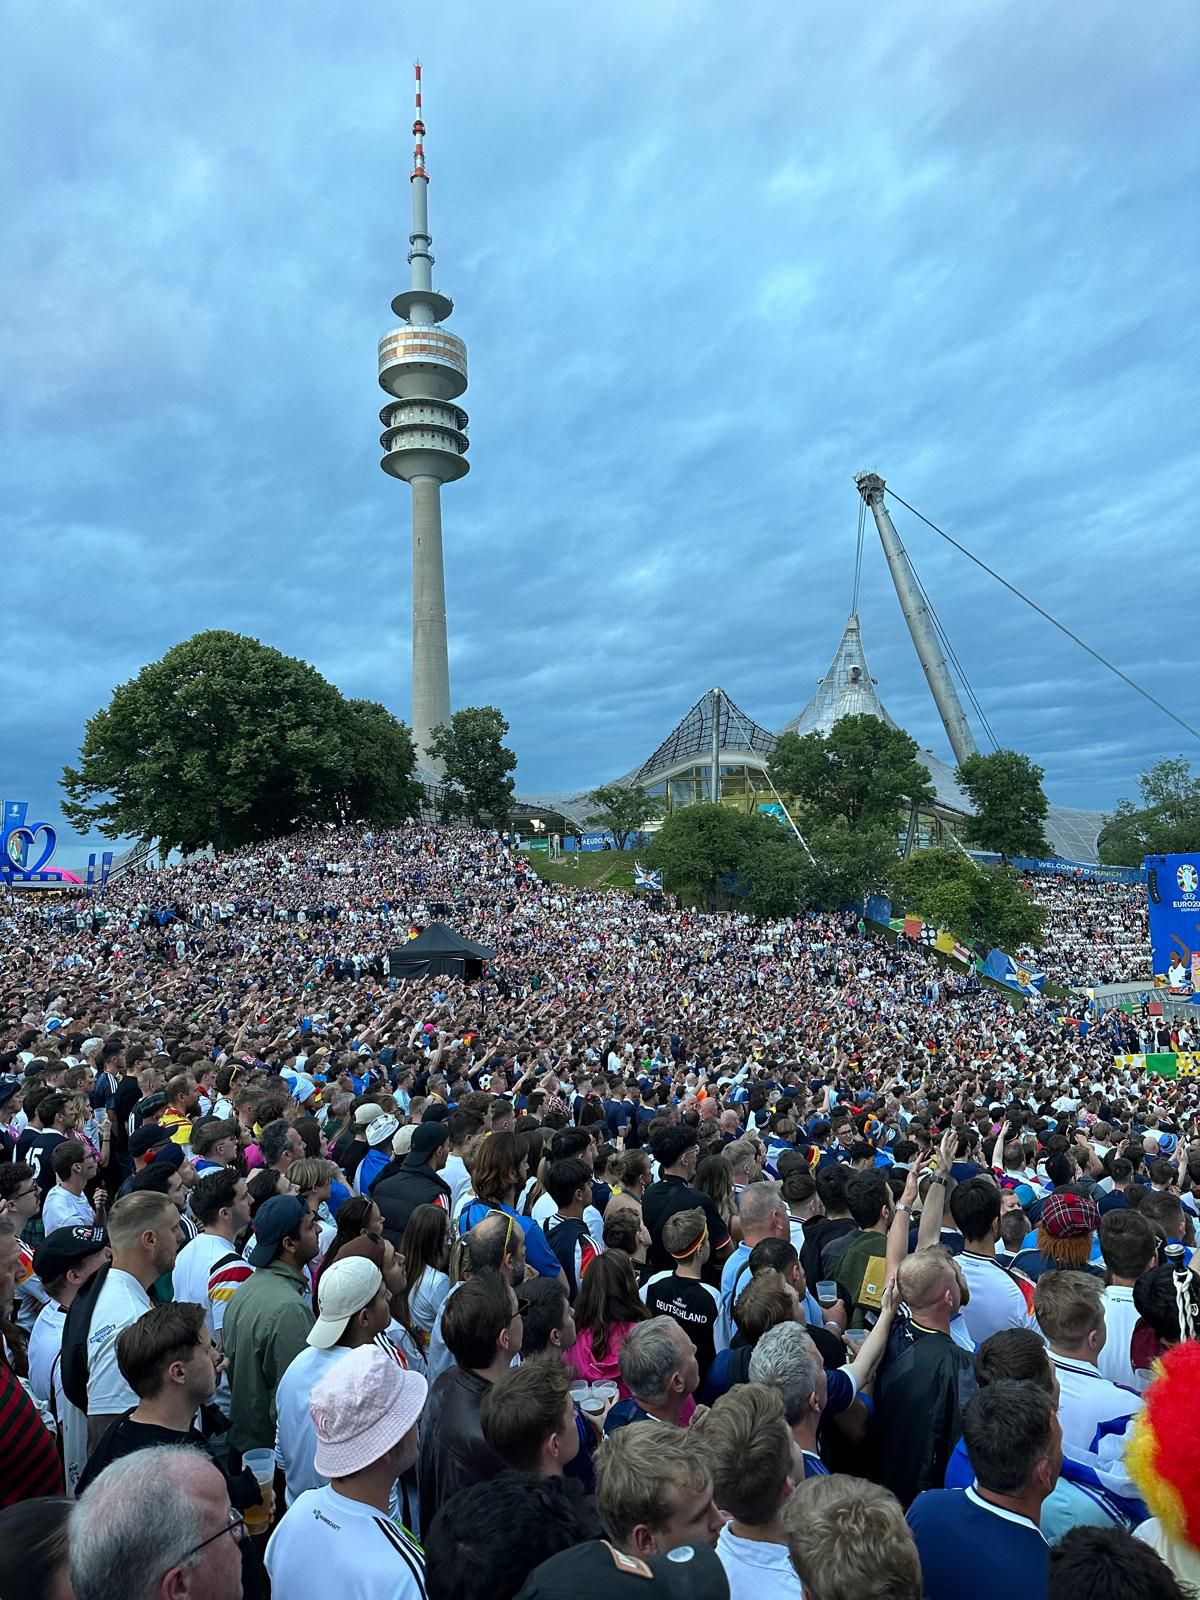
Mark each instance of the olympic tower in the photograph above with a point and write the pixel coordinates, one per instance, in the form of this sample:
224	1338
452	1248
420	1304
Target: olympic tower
424	370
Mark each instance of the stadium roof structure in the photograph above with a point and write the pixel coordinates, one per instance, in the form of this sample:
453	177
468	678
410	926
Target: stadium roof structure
847	689
693	736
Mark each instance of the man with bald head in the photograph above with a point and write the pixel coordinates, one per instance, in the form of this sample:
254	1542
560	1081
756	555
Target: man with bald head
924	1387
495	1243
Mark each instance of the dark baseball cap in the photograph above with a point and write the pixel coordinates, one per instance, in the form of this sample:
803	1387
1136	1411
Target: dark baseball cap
66	1248
8	1088
278	1219
146	1138
427	1137
596	1570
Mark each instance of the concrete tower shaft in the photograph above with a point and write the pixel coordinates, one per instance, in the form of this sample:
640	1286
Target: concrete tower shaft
423	369
920	624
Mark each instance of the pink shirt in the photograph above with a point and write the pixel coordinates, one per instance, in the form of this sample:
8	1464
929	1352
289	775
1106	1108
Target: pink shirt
588	1369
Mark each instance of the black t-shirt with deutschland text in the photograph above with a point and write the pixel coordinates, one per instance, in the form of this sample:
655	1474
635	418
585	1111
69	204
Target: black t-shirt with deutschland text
694	1305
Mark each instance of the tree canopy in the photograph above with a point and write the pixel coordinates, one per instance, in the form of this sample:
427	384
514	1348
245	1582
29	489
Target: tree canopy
716	854
949	889
1166	823
623	809
225	741
477	764
380	785
1010	805
851	863
862	772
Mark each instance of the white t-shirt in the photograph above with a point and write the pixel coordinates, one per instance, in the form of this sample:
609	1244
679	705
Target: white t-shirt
328	1545
45	1379
191	1278
121	1301
426	1296
62	1209
1120	1317
295	1433
756	1569
456	1175
996	1300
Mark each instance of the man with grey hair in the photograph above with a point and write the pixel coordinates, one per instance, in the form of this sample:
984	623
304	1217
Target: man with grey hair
659	1368
157	1525
763	1214
786	1359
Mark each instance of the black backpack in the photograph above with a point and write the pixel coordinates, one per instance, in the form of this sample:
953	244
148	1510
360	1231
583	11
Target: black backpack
75	1336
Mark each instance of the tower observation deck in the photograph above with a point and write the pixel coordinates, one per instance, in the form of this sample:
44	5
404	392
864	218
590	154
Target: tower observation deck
423	369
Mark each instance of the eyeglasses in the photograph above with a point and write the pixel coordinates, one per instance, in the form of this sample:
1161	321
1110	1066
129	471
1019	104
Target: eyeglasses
236	1525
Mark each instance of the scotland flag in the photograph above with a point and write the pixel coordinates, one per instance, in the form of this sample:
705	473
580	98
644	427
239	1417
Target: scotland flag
643	879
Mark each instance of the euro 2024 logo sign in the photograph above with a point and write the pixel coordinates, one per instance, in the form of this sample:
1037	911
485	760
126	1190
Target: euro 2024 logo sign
17	841
1187	878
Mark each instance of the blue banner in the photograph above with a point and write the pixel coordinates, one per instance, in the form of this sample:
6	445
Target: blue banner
1059	866
603	841
22	854
879	909
1173	901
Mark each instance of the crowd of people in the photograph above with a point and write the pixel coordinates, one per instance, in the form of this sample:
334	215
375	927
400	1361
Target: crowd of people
764	1259
1094	932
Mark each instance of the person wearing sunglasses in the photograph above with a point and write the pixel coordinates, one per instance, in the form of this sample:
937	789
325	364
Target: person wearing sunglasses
157	1525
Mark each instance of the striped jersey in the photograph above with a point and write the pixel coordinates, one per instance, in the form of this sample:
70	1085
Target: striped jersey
29	1464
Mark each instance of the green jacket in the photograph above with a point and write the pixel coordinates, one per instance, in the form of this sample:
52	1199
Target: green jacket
861	1274
266	1326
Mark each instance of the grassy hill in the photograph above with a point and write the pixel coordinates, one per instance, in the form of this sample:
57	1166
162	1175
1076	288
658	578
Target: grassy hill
589	869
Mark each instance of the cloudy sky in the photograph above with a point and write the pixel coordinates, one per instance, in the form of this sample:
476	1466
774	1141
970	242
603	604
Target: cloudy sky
709	261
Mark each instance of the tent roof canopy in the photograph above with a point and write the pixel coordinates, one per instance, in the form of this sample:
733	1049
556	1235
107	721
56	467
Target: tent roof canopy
438	939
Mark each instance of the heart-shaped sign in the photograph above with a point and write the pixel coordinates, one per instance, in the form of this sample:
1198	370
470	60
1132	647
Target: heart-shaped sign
12	850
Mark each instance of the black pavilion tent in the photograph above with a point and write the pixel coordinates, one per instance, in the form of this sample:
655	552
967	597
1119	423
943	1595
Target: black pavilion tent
440	952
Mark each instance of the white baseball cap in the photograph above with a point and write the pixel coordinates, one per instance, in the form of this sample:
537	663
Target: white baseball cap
347	1287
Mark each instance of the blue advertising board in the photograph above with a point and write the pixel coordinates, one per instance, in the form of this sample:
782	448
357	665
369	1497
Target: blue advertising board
1059	866
1173	901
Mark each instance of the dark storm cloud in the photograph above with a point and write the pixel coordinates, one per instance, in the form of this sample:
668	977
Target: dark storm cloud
708	261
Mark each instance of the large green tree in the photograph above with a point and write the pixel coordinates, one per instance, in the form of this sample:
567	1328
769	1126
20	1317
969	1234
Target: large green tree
774	871
721	856
947	888
380	760
1167	822
850	863
225	741
698	847
622	808
861	772
1010	805
477	764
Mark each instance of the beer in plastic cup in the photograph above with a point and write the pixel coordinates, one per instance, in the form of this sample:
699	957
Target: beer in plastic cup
262	1465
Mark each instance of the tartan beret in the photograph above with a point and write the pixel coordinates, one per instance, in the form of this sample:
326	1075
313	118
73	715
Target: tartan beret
1069	1216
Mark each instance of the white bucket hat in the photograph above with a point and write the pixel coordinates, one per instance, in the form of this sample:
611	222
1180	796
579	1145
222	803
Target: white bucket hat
362	1408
